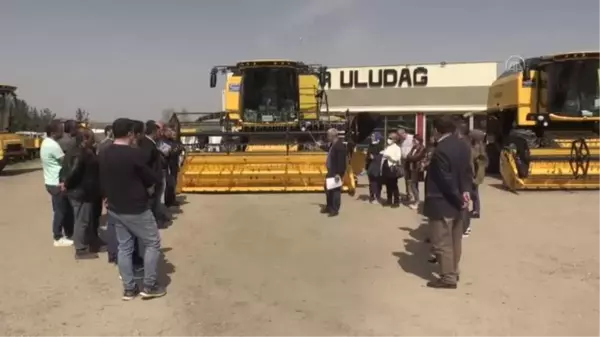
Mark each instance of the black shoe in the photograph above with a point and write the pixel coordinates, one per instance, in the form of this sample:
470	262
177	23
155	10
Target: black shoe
129	295
441	284
84	254
433	260
395	205
325	210
333	214
371	200
153	292
475	215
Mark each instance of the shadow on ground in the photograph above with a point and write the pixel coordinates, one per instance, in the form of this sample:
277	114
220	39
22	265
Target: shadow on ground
416	252
11	172
165	268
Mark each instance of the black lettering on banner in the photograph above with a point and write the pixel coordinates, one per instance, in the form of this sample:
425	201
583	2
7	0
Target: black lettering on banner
357	82
420	77
405	78
343	83
375	83
382	78
390	78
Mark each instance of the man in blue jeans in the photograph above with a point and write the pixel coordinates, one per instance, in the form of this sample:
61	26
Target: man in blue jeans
124	180
52	156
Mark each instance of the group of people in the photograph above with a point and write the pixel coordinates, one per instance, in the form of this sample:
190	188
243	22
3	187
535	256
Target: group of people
132	173
403	156
452	166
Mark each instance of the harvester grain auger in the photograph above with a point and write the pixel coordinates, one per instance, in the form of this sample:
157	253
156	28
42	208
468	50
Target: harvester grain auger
543	118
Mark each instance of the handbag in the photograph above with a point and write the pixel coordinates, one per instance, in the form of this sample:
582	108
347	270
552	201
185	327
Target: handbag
397	171
394	171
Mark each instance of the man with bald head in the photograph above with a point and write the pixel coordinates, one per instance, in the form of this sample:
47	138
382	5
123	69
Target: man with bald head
336	168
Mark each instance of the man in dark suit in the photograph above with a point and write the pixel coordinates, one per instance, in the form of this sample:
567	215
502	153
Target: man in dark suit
154	160
336	169
446	194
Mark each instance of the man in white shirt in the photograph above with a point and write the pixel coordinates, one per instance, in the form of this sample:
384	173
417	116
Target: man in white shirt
51	156
406	143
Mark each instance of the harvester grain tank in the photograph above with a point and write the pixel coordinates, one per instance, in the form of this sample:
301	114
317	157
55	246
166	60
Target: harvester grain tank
12	146
264	140
543	117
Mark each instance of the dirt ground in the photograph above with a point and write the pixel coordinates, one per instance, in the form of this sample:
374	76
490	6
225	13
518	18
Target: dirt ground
272	265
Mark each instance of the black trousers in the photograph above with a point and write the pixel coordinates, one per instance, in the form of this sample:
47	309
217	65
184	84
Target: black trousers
83	226
374	187
392	191
333	199
170	188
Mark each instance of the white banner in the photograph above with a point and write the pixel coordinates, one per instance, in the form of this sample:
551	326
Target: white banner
400	76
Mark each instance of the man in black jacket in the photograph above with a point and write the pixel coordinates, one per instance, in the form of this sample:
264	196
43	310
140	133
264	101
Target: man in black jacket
172	162
154	160
80	177
125	178
446	194
336	169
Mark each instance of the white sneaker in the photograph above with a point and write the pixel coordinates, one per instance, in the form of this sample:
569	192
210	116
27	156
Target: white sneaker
467	233
63	242
413	206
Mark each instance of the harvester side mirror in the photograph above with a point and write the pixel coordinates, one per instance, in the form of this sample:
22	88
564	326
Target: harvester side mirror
322	76
213	78
525	72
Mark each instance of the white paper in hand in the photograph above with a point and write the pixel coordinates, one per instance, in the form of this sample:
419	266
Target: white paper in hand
330	183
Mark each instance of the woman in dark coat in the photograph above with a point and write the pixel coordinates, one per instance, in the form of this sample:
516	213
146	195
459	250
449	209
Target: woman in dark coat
373	166
80	176
415	159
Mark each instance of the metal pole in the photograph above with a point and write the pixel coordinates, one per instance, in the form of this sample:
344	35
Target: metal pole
385	126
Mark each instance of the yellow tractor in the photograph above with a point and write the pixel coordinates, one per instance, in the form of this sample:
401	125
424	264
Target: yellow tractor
12	146
542	128
265	140
33	142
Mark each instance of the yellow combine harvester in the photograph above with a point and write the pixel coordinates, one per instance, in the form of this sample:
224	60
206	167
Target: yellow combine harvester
265	139
543	117
12	146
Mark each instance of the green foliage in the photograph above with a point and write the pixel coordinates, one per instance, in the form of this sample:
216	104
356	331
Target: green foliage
28	118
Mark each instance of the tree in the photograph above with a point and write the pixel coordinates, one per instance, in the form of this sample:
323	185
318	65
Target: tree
82	116
27	118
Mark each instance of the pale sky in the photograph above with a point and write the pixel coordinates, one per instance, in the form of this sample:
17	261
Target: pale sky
136	58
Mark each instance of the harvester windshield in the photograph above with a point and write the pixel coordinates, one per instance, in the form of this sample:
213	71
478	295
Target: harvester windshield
270	94
573	88
7	95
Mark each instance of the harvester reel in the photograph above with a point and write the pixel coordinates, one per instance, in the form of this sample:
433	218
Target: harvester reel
580	158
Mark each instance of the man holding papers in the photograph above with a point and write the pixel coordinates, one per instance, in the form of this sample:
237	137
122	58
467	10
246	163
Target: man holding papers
336	168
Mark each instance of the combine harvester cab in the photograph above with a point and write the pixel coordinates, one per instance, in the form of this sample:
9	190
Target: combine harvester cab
543	118
12	146
266	139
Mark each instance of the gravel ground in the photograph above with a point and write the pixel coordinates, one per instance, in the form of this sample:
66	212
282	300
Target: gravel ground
271	265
